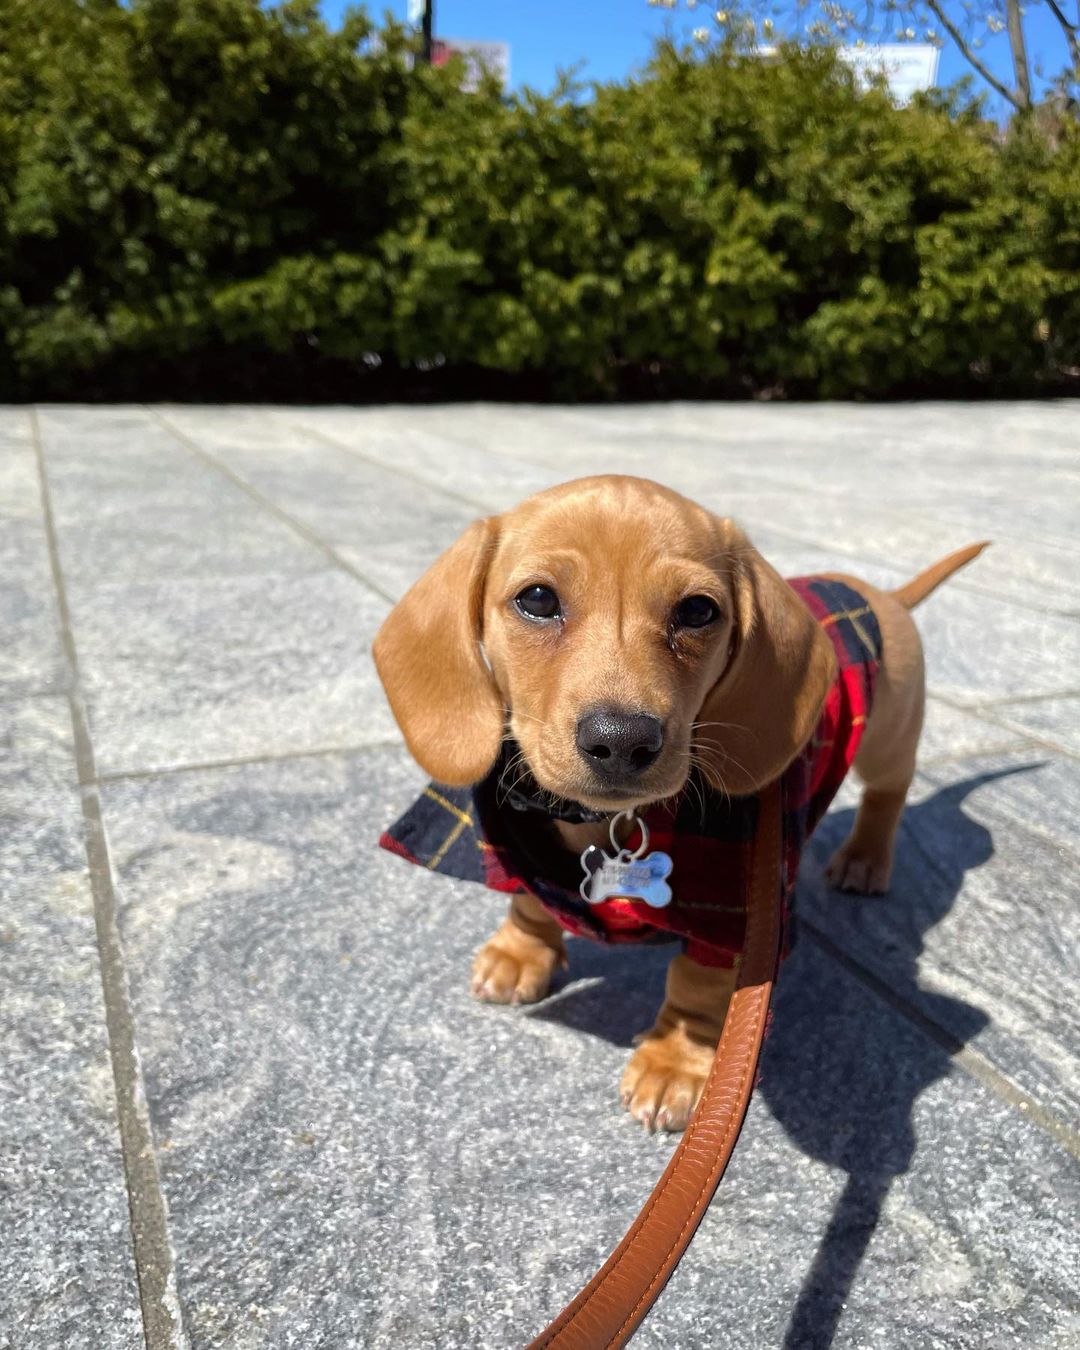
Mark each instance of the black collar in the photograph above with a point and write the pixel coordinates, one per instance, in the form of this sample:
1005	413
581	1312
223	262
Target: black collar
526	794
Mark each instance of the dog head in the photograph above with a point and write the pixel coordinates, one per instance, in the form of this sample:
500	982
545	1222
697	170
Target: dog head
620	634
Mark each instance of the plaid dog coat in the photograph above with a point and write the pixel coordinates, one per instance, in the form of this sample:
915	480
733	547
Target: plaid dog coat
460	831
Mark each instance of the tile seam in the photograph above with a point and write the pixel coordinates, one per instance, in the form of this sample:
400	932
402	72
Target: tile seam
975	1064
981	714
1025	700
410	475
294	523
155	1264
242	761
1009	747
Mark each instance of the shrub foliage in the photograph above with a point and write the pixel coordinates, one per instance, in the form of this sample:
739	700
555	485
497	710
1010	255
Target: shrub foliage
208	196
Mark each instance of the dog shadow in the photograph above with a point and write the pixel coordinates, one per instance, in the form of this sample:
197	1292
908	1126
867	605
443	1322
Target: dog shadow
841	1069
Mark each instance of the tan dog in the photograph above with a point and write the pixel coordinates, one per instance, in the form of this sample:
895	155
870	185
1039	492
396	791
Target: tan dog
620	634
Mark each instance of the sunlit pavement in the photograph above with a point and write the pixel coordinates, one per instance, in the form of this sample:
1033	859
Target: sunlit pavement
246	1099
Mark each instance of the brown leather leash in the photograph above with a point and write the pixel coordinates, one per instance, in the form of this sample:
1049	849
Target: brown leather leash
615	1301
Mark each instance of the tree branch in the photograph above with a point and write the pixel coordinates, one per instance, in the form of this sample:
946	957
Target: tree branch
1018	47
966	51
1069	29
1060	16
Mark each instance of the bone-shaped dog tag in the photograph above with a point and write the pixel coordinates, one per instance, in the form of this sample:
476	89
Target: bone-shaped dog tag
634	876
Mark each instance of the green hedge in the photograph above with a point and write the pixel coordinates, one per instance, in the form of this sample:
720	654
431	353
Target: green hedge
204	197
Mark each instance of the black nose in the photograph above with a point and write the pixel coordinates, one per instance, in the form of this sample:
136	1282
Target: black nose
617	744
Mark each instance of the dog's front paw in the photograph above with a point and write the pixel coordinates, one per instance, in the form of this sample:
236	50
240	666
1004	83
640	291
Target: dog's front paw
859	869
513	968
665	1078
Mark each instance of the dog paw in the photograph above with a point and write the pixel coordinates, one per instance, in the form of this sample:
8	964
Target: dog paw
512	970
859	871
665	1078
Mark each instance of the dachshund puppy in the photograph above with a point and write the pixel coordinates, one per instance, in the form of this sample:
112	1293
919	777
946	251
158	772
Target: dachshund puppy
610	656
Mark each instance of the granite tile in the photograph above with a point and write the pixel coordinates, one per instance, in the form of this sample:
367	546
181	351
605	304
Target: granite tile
450	461
931	435
14	425
981	928
388	528
19	495
197	669
30	656
1032	788
977	652
1053	720
952	734
158	512
66	1264
355	1153
31	660
35	749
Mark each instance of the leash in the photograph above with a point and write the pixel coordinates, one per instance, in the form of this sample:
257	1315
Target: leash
615	1301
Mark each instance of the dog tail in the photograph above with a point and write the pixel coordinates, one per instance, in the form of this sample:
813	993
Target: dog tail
918	588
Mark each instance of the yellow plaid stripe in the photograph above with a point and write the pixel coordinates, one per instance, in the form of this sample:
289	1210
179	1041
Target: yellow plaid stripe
462	820
853	616
445	845
461	815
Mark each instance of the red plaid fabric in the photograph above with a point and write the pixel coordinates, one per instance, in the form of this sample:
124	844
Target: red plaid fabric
459	831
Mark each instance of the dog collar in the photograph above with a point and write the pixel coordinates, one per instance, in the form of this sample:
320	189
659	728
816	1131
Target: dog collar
534	798
526	794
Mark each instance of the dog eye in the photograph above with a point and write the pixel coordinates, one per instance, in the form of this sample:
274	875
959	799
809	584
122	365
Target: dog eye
538	602
696	611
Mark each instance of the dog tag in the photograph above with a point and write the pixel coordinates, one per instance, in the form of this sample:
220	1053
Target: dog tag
637	875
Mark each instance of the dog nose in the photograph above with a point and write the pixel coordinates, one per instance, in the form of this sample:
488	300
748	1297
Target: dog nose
618	744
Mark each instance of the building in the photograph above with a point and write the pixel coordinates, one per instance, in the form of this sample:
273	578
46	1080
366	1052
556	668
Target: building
908	67
493	57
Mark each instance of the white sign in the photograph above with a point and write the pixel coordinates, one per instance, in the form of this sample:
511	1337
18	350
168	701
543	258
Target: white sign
907	67
415	12
494	57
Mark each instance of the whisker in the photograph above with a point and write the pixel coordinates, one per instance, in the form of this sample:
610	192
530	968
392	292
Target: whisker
517	712
694	786
725	726
707	773
521	777
503	787
713	771
713	749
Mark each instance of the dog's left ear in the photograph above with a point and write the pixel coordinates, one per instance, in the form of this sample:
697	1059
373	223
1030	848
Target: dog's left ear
429	657
766	703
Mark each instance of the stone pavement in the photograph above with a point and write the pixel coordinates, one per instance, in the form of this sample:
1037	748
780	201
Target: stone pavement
246	1100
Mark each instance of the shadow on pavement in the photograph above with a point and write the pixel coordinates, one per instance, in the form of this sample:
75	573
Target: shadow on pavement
836	1075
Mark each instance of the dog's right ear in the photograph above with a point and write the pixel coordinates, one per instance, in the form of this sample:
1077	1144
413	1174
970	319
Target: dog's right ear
764	707
429	657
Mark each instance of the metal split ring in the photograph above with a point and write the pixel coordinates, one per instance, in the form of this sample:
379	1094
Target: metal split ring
643	848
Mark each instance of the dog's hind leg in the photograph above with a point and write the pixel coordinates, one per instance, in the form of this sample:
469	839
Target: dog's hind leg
886	758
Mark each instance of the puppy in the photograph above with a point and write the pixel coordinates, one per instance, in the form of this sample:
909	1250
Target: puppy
610	660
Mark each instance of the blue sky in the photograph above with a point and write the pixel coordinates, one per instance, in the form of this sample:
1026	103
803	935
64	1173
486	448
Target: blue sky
613	37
